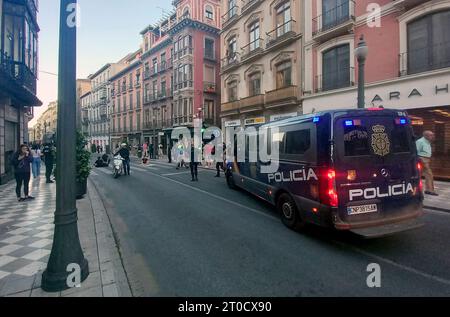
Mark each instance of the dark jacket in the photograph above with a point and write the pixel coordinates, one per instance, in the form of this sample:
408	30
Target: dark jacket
22	166
124	152
49	158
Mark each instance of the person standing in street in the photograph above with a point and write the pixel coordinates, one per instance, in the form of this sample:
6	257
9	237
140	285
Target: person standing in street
22	161
124	152
425	153
49	160
220	164
194	163
36	165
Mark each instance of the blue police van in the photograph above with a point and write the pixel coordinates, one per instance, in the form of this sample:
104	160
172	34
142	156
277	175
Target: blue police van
354	170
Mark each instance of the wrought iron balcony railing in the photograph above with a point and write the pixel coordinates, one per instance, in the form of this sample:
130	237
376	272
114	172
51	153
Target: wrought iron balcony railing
334	17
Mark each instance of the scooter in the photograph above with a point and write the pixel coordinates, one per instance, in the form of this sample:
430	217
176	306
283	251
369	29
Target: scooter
118	166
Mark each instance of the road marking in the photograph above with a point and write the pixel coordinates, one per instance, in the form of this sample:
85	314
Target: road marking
400	266
179	173
216	196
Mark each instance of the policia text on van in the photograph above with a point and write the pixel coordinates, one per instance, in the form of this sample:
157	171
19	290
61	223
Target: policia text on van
352	170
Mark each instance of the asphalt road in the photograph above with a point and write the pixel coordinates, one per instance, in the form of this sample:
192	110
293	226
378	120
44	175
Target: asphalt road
179	238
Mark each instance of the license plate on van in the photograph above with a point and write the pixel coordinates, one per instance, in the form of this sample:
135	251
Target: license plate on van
356	210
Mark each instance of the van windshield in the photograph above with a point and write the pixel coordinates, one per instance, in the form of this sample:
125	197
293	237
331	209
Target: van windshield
373	136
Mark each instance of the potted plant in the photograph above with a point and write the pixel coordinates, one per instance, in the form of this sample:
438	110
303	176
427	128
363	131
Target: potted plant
83	165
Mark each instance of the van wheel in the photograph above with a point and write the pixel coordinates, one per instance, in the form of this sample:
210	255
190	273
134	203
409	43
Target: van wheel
289	212
230	182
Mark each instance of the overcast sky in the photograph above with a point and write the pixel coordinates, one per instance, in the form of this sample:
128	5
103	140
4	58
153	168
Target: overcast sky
109	30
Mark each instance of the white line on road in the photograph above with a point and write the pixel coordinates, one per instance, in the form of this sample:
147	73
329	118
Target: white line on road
400	266
216	196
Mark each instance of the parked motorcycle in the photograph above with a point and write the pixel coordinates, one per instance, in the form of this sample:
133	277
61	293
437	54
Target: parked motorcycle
118	166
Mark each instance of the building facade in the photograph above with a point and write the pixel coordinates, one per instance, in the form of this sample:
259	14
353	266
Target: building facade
18	74
126	102
261	61
46	125
408	66
181	67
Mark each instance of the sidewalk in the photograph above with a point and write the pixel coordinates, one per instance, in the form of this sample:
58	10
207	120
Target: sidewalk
441	202
26	233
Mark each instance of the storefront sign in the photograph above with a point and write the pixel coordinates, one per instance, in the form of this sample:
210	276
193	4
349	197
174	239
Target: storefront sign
414	92
234	123
283	116
254	121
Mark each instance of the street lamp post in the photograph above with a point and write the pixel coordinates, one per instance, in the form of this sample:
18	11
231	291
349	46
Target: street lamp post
361	53
66	258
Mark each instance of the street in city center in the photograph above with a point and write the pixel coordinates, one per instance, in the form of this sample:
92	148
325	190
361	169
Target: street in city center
179	238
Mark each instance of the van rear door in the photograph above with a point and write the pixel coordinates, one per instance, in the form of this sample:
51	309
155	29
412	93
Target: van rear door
377	176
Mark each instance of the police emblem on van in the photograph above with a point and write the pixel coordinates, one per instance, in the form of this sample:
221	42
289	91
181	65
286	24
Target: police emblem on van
380	141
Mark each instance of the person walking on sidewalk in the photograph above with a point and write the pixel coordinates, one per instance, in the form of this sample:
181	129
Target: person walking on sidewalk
425	153
36	165
21	161
49	159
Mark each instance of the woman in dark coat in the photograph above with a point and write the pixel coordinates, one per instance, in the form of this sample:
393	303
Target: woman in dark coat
21	161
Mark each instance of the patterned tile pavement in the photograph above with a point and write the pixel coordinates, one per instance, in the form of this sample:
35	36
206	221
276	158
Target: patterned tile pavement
26	231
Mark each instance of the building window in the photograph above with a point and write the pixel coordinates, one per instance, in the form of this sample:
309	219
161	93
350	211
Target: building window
155	65
232	91
254	81
209	110
131	101
334	12
138	99
209	13
232	49
283	19
232	8
284	75
429	42
336	67
254	36
209	48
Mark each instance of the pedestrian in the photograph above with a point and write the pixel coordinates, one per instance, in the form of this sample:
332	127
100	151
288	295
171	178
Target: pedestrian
152	151
124	152
220	163
169	153
49	160
37	156
425	153
22	161
194	163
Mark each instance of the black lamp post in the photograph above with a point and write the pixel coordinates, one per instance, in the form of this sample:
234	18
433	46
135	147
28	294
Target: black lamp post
361	53
66	250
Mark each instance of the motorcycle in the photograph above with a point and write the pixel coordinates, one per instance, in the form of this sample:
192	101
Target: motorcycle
118	166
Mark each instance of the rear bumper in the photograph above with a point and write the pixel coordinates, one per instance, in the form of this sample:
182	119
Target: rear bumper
388	229
414	214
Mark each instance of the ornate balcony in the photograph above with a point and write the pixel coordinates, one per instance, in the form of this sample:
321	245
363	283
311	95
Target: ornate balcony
230	17
230	62
251	103
282	34
334	22
231	107
283	96
252	49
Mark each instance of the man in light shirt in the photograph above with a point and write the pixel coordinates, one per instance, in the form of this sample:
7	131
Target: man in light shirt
424	151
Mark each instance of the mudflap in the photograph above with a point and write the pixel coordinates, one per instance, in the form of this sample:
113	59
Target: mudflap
388	229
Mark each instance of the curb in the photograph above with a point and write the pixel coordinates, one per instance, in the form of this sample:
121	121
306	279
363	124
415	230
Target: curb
437	209
120	279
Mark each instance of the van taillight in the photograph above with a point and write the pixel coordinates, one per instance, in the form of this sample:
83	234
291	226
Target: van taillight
419	171
329	194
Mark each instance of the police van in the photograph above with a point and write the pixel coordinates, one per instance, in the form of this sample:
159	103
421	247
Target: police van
354	170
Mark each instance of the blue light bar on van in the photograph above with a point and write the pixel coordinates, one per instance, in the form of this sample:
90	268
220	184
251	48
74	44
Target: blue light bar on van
316	120
401	121
349	123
